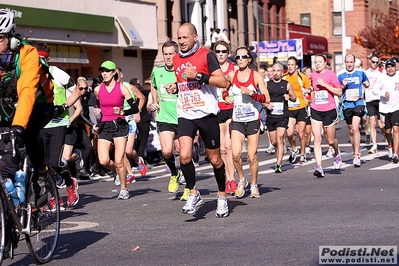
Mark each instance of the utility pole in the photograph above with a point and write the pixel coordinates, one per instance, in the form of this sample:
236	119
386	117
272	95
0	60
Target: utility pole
343	29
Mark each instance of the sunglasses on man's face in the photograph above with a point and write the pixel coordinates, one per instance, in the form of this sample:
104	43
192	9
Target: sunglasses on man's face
374	62
244	56
3	36
221	51
82	88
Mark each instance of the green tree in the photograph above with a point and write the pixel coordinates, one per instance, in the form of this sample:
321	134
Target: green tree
382	38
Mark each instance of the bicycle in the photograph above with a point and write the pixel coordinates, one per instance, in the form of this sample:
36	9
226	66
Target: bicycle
36	220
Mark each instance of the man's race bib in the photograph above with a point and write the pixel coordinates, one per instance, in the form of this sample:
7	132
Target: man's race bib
352	94
321	97
278	108
190	95
294	104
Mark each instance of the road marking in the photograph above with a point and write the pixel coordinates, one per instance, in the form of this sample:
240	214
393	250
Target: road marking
72	226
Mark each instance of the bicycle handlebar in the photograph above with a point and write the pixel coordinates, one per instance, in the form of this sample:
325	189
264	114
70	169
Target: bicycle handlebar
11	138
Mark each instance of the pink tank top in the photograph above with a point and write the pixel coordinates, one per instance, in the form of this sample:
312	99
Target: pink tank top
108	100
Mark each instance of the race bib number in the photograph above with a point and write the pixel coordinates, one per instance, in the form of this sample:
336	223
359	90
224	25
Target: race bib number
321	97
190	95
352	94
278	108
294	104
163	90
129	118
243	111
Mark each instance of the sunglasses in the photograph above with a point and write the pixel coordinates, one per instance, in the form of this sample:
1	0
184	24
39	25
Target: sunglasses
83	88
374	62
221	51
244	56
106	70
3	36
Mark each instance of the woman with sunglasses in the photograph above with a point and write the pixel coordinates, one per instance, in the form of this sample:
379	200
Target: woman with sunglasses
246	118
113	128
323	111
76	135
222	51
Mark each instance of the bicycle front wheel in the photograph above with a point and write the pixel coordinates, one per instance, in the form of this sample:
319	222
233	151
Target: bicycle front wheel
2	229
45	222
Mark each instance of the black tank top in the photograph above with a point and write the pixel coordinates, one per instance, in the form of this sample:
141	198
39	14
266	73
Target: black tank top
277	91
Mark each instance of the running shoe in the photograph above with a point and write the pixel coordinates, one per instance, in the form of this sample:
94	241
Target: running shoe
277	169
228	187
293	155
193	201
270	149
254	191
222	209
130	179
52	204
390	152
73	196
395	158
123	194
302	159
337	162
142	167
318	172
233	185
167	170
117	181
307	150
174	183
185	195
59	181
356	161
182	180
330	152
373	149
79	160
240	191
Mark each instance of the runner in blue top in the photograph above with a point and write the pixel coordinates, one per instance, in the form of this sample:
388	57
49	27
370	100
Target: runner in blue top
352	81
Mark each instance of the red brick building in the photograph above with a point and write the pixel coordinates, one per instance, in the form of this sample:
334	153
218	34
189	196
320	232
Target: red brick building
325	20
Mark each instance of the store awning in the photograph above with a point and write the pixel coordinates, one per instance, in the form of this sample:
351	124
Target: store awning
129	31
311	44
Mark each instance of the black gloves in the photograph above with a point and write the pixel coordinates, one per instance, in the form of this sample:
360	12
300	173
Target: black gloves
58	110
18	132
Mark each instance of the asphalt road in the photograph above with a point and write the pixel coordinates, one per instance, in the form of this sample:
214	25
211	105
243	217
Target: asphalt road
295	214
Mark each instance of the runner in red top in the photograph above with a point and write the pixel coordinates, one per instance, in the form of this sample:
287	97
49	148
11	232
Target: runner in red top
222	51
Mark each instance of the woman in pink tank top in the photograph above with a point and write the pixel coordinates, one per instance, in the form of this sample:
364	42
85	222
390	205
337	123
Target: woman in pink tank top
113	127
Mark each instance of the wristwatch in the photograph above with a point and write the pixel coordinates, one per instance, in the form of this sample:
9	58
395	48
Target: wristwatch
198	77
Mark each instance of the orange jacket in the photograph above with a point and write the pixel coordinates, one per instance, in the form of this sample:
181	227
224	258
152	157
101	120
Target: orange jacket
30	78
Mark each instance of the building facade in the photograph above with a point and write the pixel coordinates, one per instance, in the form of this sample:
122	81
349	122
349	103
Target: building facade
325	19
83	33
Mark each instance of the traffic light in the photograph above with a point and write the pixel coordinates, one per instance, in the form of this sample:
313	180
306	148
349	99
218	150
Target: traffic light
357	38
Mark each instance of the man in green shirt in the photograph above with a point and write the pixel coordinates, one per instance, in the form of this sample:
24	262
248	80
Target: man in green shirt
164	104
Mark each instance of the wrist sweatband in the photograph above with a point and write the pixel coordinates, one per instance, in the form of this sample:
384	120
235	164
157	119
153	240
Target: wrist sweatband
259	97
204	79
225	94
